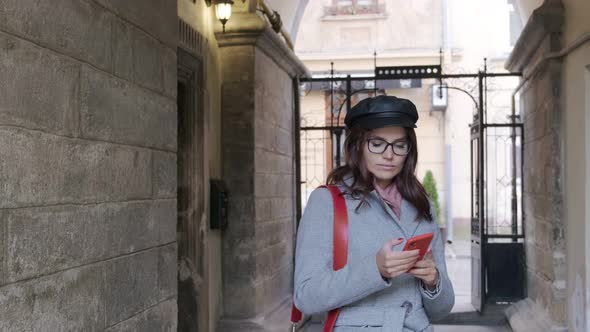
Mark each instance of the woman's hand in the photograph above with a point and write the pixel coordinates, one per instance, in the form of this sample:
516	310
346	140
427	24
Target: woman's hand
426	271
393	263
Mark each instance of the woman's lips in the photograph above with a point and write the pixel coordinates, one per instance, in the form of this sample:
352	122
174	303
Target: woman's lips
389	167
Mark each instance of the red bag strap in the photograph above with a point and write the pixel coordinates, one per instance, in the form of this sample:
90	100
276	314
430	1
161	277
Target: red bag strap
340	228
340	250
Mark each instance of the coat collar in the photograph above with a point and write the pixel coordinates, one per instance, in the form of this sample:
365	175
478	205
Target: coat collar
408	213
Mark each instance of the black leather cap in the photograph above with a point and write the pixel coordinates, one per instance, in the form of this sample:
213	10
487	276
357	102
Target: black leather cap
382	111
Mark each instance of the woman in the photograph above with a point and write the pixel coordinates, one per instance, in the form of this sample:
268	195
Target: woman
381	288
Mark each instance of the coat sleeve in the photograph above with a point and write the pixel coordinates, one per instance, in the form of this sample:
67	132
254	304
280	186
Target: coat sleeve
318	288
440	304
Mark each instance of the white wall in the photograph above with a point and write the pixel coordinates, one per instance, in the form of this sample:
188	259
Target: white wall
576	112
587	198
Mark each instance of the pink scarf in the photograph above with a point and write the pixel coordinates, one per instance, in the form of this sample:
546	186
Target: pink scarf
391	196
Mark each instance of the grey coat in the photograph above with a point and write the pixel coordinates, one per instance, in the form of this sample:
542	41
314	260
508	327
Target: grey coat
367	301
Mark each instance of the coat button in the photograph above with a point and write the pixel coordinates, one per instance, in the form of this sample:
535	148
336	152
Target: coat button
408	306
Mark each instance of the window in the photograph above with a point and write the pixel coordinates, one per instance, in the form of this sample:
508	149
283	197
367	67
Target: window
354	7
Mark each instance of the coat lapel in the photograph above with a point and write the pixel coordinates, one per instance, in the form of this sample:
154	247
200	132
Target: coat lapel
408	218
389	211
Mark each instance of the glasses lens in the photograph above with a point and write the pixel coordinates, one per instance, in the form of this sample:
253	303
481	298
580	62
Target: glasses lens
401	148
377	145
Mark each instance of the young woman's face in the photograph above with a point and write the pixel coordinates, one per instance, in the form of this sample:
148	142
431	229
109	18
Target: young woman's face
380	158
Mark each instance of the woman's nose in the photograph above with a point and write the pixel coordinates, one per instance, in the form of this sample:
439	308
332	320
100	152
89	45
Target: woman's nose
388	153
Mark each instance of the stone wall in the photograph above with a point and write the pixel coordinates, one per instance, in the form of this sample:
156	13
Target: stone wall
259	171
88	165
274	186
541	112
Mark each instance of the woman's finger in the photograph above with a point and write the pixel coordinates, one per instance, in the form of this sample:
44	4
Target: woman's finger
403	254
397	261
425	264
392	243
421	272
401	268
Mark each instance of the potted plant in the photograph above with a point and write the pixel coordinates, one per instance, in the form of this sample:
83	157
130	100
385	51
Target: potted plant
429	184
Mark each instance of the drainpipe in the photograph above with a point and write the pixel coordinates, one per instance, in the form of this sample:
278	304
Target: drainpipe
275	22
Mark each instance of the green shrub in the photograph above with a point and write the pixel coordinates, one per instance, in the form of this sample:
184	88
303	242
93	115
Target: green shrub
429	184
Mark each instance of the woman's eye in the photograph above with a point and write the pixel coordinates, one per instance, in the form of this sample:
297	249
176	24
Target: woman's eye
376	144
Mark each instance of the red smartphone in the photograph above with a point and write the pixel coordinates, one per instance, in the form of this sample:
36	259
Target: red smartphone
421	242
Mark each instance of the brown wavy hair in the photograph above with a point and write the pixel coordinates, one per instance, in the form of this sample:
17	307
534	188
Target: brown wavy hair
408	185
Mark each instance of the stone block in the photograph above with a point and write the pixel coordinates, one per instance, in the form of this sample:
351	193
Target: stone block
80	29
286	164
237	102
43	240
39	89
272	185
241	212
275	288
166	215
238	132
282	207
3	246
284	142
531	284
537	124
170	68
267	109
267	161
238	65
272	259
157	17
265	135
132	285
114	110
240	260
531	257
239	300
40	169
282	255
285	116
271	233
160	318
527	316
543	232
240	183
148	54
263	264
559	267
72	300
167	271
558	311
545	264
123	49
263	206
165	176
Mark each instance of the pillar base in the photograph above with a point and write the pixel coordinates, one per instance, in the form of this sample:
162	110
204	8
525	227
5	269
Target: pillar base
527	316
277	319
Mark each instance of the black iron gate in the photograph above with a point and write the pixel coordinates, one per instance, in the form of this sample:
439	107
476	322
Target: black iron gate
497	258
497	231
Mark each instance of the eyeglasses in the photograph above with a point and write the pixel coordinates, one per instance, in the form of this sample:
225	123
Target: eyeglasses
379	146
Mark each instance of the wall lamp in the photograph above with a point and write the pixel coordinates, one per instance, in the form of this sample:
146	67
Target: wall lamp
222	10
